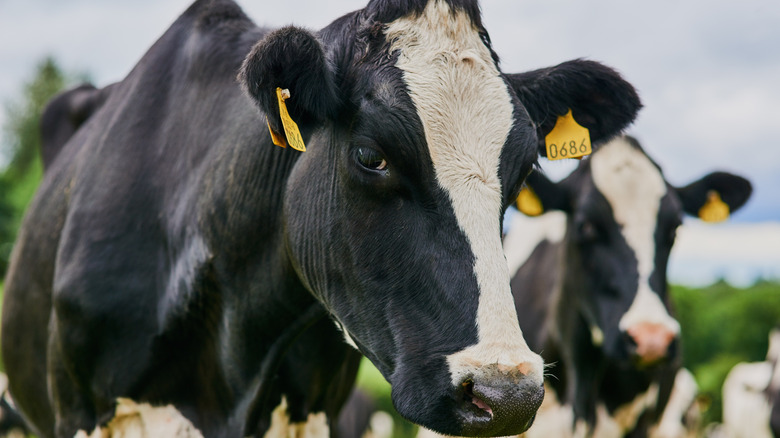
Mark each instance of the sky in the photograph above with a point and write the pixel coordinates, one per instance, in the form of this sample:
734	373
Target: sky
708	72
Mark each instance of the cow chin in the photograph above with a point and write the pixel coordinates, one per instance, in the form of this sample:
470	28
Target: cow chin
495	404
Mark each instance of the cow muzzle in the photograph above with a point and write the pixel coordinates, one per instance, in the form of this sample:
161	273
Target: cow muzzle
498	400
652	342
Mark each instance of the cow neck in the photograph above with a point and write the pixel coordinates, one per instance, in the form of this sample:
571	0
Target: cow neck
256	397
569	293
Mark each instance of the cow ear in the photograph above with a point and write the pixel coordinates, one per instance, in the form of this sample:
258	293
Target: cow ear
290	61
600	99
541	195
715	196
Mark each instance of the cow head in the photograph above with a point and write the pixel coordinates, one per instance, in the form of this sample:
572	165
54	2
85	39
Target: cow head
622	218
416	144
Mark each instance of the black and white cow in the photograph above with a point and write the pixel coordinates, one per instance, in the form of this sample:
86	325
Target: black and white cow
174	256
750	395
591	290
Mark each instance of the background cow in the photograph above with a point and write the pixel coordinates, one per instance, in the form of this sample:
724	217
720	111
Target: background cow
174	256
750	395
591	290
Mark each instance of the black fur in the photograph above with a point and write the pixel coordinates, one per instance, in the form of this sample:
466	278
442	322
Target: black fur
291	58
10	420
600	99
64	114
732	189
386	11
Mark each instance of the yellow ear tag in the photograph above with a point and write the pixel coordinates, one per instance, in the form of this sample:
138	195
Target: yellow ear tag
714	210
276	138
528	203
290	127
567	139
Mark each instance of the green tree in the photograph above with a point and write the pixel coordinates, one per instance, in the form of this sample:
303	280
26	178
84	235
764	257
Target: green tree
20	149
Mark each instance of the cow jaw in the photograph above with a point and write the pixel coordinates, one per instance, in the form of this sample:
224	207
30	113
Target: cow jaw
467	114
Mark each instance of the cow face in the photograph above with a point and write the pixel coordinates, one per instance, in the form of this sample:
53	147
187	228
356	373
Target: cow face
416	144
622	219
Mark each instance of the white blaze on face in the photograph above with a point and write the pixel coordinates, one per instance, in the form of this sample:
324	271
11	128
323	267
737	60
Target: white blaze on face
467	113
634	186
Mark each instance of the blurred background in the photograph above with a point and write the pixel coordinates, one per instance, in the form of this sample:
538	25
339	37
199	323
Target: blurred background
708	74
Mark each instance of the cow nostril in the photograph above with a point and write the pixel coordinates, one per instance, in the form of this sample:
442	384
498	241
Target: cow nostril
468	394
498	402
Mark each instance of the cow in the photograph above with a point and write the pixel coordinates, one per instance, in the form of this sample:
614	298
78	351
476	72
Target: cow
175	255
750	395
746	409
590	288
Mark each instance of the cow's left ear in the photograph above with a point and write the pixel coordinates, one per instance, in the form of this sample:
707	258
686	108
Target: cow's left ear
540	195
715	196
600	99
292	60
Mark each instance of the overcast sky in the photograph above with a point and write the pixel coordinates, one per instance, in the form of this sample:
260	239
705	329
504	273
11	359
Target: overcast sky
708	71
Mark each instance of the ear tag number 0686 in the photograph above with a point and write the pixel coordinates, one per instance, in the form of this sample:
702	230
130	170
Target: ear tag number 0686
568	139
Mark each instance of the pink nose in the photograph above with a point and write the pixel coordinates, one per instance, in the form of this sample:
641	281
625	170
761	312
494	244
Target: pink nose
652	341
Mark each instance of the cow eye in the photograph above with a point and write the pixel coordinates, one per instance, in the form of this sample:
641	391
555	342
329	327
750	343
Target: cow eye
371	159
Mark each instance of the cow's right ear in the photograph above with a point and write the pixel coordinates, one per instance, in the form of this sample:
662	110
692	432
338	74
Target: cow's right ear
541	195
599	98
290	59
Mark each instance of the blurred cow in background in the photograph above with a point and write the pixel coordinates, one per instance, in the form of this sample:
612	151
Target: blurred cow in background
750	396
591	289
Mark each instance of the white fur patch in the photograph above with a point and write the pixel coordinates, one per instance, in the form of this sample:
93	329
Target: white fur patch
347	337
467	113
141	420
526	233
633	186
316	425
625	417
746	410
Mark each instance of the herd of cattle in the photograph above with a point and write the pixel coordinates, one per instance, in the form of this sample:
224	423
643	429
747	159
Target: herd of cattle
177	268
